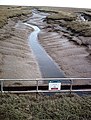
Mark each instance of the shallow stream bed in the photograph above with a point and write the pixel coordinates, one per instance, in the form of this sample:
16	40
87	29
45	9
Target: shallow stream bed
48	68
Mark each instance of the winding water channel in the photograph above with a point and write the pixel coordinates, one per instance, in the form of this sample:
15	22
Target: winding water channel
48	68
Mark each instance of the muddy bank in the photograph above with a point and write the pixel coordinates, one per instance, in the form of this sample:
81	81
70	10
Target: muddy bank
69	49
17	60
71	57
63	45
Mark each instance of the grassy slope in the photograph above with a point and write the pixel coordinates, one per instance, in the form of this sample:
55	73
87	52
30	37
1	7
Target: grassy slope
28	107
8	12
69	15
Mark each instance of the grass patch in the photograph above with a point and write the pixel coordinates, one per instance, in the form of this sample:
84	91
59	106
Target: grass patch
68	20
9	12
83	28
60	107
47	9
67	16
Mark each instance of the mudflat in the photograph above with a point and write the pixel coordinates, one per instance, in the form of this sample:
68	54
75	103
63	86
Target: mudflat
64	35
67	39
17	60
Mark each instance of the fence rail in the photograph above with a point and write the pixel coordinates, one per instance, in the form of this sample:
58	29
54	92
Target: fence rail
66	81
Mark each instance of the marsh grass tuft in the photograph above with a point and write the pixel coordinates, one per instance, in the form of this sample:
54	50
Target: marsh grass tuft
67	16
9	12
60	107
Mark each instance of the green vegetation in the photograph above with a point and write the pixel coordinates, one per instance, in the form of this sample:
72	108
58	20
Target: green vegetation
68	19
46	9
59	107
9	12
67	16
82	28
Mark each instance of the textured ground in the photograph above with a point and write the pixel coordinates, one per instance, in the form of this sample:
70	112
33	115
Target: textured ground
71	52
17	60
71	57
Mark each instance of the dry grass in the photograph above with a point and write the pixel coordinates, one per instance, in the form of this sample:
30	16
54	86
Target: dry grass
82	28
67	16
9	12
57	9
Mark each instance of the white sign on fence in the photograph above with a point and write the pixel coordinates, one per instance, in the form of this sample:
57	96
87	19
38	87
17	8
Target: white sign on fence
54	85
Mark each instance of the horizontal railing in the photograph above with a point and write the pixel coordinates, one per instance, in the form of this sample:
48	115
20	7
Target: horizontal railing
44	82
